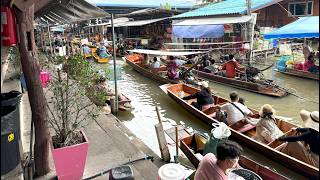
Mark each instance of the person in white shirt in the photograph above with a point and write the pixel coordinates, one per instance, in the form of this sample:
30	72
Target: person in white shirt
235	110
155	64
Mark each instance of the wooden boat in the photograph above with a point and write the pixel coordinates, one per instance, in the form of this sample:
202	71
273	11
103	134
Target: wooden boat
122	103
249	86
299	73
97	58
158	75
189	146
245	134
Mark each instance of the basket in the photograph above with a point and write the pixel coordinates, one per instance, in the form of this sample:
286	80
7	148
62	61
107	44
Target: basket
246	174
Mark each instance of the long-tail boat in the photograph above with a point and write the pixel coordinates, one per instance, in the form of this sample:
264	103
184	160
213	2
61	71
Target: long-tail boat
98	58
158	74
267	88
245	134
299	73
192	144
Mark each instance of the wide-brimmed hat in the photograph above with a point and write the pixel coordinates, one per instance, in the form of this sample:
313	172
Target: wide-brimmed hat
310	119
203	84
267	109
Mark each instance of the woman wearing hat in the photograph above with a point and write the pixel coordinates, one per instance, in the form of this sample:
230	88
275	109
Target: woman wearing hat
305	145
266	127
204	97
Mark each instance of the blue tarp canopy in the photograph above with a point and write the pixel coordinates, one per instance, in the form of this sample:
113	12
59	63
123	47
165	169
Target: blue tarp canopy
305	27
199	31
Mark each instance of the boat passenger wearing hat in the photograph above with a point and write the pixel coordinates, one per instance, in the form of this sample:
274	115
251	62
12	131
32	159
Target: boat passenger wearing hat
266	127
305	145
204	97
102	51
216	167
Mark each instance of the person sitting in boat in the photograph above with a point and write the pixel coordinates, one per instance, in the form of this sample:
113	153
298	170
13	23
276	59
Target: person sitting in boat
205	63
204	97
309	65
305	145
241	100
85	50
101	95
217	167
172	67
102	51
156	63
266	127
231	67
235	111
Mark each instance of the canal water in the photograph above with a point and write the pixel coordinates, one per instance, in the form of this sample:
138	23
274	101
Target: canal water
145	94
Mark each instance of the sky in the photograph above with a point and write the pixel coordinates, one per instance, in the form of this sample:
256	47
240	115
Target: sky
149	3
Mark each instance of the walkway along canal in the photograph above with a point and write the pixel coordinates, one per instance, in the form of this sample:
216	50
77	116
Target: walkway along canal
145	94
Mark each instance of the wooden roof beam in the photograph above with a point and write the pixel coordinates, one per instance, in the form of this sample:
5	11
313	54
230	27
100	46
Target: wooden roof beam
25	4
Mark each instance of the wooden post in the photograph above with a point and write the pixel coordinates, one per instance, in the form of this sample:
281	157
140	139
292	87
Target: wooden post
31	70
177	145
164	150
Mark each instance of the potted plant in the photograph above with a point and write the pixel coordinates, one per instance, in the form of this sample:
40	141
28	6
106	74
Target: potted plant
69	111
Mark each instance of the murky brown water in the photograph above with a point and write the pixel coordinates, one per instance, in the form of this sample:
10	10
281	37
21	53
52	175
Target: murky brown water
145	94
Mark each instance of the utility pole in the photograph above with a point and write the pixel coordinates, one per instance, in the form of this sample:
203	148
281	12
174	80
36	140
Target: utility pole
114	65
249	30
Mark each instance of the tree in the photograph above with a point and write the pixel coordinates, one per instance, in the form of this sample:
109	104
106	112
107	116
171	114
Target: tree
31	70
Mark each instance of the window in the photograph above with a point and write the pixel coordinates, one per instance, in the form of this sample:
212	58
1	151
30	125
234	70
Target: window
298	9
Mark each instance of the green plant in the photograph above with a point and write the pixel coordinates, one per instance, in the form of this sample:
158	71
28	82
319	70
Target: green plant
14	58
69	109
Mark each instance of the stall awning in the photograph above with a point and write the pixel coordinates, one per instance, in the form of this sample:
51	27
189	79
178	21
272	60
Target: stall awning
200	31
138	23
67	11
305	27
214	20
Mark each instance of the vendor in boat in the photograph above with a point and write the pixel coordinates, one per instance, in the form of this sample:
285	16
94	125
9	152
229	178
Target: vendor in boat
172	67
236	111
156	63
266	127
102	51
204	97
85	50
309	65
305	145
231	67
217	167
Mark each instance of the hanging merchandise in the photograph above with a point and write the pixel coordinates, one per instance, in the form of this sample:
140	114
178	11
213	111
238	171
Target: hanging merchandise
228	28
8	27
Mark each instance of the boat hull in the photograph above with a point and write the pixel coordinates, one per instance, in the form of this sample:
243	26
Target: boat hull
264	172
149	73
249	86
301	74
246	138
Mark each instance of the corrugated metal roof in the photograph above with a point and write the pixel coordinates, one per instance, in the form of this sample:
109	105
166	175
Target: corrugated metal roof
227	7
144	3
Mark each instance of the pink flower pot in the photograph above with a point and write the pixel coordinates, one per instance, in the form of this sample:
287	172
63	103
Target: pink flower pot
70	161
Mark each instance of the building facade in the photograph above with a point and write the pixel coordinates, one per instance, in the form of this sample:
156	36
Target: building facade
285	12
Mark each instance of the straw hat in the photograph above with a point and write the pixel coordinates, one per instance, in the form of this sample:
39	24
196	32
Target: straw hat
203	84
266	109
310	119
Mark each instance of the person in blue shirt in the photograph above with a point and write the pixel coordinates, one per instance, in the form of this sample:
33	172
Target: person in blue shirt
86	50
102	51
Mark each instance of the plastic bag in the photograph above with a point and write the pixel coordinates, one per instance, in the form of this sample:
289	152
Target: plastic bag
220	133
